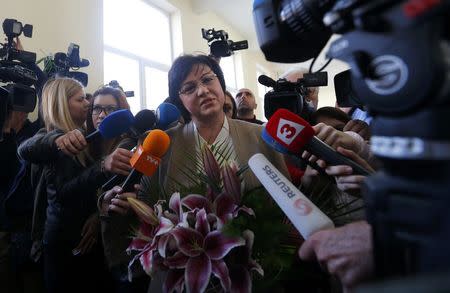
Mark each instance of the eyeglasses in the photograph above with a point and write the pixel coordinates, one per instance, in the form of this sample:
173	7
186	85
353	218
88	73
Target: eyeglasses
107	109
191	87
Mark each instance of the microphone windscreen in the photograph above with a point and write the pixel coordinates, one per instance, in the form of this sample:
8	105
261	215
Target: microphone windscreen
267	81
116	123
166	114
144	121
156	143
287	132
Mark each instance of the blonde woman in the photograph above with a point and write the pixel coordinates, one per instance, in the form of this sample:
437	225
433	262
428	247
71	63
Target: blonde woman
72	181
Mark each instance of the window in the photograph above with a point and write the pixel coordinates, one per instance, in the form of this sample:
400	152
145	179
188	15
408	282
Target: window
229	73
137	50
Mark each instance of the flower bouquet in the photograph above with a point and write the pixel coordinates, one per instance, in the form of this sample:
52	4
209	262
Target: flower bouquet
216	238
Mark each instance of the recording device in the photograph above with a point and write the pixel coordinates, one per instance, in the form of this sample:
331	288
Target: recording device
291	95
303	214
398	52
146	159
219	43
288	133
115	84
68	64
115	124
16	77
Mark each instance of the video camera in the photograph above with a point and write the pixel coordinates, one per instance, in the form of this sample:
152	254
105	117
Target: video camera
115	84
291	95
398	51
219	43
62	63
16	77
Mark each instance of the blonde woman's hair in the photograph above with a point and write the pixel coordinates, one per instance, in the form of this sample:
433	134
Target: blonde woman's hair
55	107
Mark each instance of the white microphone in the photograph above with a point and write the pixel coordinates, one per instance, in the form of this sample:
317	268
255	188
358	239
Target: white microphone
306	217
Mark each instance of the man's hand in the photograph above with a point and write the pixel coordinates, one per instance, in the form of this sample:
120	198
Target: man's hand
345	252
345	179
89	235
334	138
118	162
360	127
71	143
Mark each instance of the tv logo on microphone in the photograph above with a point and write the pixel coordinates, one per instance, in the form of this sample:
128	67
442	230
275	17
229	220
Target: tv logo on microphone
288	130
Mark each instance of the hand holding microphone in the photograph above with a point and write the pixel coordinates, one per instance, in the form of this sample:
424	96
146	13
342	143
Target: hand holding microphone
146	159
286	132
71	143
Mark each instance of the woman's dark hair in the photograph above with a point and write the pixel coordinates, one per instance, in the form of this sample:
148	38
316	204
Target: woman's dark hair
233	102
180	69
95	147
330	112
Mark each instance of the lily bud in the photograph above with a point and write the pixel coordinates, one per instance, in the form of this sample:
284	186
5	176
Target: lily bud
231	182
143	211
210	164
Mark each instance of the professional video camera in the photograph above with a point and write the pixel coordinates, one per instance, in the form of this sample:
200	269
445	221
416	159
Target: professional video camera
62	63
16	78
219	43
115	84
291	95
399	57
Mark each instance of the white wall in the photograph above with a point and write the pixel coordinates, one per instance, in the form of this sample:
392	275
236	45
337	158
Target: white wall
56	23
59	22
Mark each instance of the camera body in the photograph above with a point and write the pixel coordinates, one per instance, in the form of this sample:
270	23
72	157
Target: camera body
291	95
115	84
219	43
16	77
398	51
62	64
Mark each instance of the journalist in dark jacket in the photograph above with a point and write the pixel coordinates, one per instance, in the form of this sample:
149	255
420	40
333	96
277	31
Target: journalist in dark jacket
72	180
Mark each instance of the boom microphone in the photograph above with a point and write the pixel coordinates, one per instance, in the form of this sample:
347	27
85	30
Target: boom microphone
286	132
303	214
146	159
266	81
113	125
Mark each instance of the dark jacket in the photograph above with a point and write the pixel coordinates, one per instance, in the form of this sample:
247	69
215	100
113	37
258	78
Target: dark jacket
71	188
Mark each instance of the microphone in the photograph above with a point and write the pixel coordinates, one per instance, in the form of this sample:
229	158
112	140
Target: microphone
287	133
113	125
266	81
166	114
304	215
146	159
144	121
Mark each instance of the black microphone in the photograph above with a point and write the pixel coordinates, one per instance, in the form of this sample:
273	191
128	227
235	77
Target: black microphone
266	81
144	121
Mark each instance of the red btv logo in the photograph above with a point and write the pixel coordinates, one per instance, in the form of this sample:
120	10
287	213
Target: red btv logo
302	206
288	130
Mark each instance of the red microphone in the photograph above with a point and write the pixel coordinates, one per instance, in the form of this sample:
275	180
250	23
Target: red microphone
288	133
